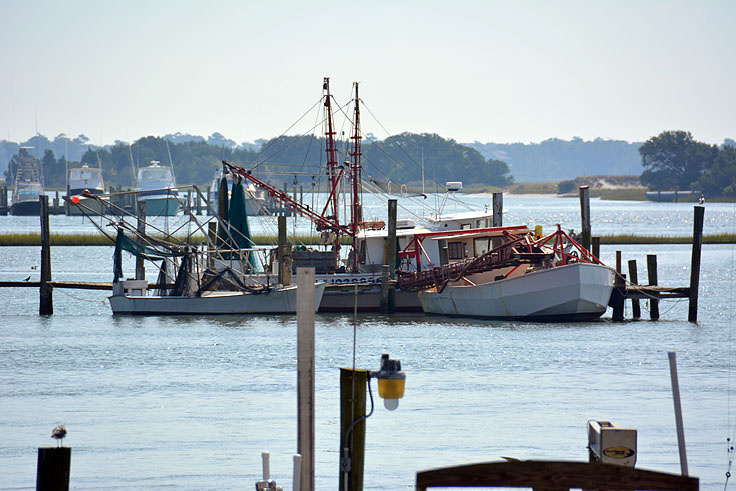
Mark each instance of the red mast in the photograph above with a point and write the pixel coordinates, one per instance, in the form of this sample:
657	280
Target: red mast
355	208
332	165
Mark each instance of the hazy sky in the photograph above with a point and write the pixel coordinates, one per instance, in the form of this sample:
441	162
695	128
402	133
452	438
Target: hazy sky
490	71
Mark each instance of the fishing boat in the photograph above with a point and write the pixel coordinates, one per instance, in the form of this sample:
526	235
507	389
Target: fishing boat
27	186
156	190
362	266
195	276
84	182
132	297
552	278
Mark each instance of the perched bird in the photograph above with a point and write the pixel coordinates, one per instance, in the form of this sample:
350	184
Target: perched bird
59	433
27	279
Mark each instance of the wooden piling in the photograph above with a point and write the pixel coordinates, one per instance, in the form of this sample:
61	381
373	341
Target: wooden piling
46	291
618	262
498	209
596	243
389	268
283	253
140	267
353	385
386	300
305	374
585	216
634	280
617	297
52	473
652	274
698	212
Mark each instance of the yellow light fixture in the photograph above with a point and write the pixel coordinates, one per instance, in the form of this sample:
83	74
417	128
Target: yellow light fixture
391	382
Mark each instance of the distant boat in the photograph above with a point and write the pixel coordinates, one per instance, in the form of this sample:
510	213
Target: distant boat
256	202
81	182
27	186
157	190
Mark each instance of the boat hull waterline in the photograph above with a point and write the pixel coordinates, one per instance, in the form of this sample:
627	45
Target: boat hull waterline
276	301
578	291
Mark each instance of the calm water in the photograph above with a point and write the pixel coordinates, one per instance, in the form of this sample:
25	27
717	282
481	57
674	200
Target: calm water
190	402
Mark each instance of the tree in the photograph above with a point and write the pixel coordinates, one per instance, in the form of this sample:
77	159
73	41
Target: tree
721	179
673	160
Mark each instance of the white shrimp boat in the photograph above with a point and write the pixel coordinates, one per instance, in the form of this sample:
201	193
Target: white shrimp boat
550	278
131	297
577	291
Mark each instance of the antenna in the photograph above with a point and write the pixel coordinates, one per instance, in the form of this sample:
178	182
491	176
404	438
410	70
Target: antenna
171	163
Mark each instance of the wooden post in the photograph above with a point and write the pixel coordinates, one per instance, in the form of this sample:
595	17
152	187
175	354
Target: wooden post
618	262
699	211
652	274
305	375
353	385
389	268
52	473
212	235
140	267
198	202
188	204
617	297
283	253
634	280
391	245
678	412
585	216
596	246
46	303
498	209
386	304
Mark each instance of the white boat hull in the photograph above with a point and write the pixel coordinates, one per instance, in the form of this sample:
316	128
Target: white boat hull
276	301
576	291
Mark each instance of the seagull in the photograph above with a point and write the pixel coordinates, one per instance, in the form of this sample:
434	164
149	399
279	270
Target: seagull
59	433
27	279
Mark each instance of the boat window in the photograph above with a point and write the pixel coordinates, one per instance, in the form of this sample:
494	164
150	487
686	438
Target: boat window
455	250
466	226
482	245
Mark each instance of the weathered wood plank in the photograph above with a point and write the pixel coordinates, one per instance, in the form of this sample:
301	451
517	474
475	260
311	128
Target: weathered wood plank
553	475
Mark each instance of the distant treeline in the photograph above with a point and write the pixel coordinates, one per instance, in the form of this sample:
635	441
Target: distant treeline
402	159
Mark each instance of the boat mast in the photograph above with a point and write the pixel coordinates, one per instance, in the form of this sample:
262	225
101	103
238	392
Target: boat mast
333	173
355	206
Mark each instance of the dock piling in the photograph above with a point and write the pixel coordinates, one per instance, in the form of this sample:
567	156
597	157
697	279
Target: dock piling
387	290
52	473
698	212
498	209
140	267
46	291
596	244
353	385
652	273
634	280
585	216
305	374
